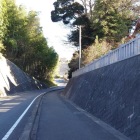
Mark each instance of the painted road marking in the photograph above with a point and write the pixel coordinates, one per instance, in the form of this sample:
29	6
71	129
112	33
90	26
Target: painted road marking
19	119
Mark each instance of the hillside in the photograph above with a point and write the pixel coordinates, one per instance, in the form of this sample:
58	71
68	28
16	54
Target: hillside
13	79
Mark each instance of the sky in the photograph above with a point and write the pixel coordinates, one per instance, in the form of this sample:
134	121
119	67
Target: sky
56	33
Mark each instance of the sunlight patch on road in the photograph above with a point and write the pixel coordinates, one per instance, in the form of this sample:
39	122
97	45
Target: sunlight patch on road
4	109
5	105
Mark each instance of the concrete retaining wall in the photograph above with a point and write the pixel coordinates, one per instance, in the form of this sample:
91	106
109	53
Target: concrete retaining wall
124	51
111	93
13	79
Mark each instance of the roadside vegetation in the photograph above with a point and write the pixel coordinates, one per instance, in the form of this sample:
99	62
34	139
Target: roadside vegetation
22	41
105	25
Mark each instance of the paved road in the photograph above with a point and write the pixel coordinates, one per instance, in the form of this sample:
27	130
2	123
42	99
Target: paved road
10	110
60	82
60	120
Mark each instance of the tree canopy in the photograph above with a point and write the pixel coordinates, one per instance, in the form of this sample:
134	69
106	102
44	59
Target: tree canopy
105	18
25	44
66	11
110	20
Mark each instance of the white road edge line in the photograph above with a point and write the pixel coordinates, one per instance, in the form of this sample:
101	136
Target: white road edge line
19	119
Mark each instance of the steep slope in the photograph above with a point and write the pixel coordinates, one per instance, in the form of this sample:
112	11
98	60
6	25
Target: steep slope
13	79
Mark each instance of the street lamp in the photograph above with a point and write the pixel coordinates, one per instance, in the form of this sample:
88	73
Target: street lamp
80	46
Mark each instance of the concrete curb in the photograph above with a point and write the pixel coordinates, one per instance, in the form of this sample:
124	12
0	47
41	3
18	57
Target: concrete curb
29	132
35	123
26	132
34	129
101	123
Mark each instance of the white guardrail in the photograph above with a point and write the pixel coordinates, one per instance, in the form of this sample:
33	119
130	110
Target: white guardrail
124	51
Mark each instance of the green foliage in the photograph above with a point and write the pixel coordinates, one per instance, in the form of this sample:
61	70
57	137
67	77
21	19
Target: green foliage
3	23
66	11
24	42
1	47
96	50
3	19
110	20
87	32
74	64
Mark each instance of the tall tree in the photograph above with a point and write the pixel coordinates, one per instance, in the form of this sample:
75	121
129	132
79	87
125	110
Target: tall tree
75	14
113	19
87	32
88	7
25	44
3	19
66	11
111	22
15	29
3	23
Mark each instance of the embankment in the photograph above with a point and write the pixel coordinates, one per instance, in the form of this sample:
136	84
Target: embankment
111	93
13	79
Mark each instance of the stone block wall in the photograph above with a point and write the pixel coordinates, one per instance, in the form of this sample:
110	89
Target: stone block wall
111	93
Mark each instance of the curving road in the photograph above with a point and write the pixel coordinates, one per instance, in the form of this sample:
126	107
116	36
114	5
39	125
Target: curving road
60	119
60	82
11	108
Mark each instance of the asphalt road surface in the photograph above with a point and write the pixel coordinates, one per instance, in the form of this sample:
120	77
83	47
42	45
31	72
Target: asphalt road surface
60	82
11	108
61	120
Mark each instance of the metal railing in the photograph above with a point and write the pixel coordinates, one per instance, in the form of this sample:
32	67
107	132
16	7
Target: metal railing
124	51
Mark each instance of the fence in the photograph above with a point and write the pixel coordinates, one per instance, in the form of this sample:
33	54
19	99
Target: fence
124	51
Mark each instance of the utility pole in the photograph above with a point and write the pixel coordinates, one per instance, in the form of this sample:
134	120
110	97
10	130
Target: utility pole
80	46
